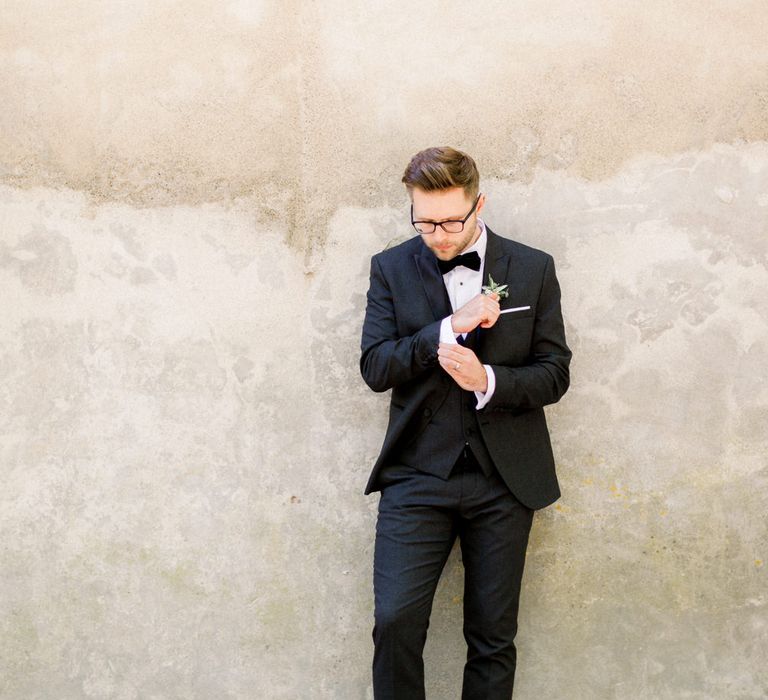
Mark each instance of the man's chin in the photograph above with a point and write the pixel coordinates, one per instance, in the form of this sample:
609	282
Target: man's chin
444	254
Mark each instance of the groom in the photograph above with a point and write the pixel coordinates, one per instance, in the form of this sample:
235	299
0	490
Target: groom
467	451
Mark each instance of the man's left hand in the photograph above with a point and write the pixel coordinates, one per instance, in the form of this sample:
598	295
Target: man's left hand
463	366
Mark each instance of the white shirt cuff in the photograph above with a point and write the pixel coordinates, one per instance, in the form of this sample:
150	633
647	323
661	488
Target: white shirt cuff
446	331
484	398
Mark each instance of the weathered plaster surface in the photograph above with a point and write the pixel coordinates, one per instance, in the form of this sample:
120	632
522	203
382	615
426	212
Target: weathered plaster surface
190	196
313	106
185	442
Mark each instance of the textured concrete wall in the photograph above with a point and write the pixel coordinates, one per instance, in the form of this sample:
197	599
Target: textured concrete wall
189	195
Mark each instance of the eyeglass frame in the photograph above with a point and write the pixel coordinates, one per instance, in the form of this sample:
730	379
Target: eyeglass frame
448	221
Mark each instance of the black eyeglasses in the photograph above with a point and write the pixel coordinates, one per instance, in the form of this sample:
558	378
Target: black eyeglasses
451	226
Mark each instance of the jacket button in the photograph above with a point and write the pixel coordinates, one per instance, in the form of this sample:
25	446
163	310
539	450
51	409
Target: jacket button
427	412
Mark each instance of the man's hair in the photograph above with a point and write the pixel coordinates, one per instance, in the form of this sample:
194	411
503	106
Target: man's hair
442	167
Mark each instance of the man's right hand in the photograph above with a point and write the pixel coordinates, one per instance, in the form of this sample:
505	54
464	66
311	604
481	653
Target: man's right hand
482	310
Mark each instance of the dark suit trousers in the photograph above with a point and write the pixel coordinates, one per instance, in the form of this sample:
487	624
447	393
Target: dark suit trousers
419	518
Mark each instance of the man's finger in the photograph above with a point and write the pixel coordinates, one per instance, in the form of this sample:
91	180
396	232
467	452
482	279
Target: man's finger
449	366
455	347
453	350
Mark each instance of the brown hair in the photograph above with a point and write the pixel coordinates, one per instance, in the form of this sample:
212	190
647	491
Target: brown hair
442	167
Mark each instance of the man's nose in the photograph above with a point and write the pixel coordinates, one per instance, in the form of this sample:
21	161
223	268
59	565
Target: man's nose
441	237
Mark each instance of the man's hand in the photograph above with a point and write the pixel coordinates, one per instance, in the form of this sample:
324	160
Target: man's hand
462	364
482	310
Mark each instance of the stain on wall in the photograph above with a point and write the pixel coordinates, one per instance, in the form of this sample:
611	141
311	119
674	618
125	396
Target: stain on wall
190	196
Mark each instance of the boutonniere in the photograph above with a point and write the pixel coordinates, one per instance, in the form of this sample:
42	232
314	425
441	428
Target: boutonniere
493	287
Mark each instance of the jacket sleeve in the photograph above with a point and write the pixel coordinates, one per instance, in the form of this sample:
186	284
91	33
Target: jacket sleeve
546	378
387	359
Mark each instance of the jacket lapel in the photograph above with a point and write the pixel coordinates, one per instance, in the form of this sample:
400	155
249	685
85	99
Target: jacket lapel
432	281
496	260
497	266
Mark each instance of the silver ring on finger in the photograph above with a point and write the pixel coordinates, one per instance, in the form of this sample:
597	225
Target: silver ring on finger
458	365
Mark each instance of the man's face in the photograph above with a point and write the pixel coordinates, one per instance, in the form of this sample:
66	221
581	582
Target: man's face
444	205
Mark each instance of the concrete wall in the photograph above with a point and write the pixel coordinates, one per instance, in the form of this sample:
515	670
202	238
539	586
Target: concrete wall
189	196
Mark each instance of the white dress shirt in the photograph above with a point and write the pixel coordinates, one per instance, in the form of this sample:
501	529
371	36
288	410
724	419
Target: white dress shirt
463	283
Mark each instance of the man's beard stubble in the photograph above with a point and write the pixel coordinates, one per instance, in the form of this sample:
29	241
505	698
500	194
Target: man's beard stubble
460	246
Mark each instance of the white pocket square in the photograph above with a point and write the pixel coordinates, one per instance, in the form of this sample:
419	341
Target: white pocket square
516	308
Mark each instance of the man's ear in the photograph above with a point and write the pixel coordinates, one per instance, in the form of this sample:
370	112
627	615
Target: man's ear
480	204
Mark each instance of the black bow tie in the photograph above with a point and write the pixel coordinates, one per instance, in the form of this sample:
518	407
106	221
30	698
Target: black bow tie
470	260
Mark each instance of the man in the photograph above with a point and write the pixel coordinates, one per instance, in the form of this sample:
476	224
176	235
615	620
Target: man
467	451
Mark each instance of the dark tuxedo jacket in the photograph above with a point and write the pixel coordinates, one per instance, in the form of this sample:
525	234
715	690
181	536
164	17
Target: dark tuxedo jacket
527	350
